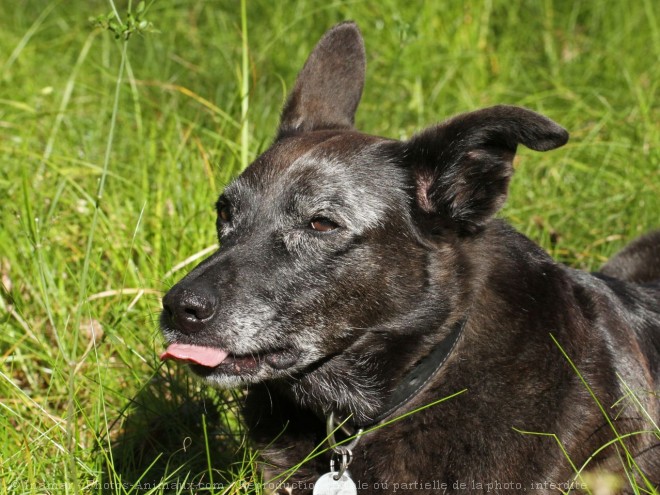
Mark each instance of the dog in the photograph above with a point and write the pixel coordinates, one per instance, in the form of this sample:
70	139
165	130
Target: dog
392	334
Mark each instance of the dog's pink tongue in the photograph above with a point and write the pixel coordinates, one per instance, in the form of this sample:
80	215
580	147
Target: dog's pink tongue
206	356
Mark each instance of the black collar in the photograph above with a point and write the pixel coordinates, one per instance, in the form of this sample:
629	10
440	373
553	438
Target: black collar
419	376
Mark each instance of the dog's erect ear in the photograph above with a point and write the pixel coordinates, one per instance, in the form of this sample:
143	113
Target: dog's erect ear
462	166
329	86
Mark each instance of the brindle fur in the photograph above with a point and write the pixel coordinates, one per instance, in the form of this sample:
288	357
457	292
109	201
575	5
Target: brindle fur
335	319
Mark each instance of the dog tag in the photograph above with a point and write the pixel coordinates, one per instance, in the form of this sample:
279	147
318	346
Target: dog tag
328	485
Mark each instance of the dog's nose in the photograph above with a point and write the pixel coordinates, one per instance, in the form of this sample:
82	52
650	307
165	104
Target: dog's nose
189	309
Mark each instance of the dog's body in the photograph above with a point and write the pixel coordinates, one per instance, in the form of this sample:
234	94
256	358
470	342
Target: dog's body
348	260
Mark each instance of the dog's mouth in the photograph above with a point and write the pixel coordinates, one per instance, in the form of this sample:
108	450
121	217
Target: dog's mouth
208	360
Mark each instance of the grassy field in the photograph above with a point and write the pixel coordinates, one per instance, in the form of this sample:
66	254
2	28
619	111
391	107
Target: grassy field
112	153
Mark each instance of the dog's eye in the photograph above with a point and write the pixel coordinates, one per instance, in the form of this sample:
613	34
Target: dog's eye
322	224
224	213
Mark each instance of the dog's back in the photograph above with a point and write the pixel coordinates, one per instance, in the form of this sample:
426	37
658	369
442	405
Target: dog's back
638	267
632	298
639	262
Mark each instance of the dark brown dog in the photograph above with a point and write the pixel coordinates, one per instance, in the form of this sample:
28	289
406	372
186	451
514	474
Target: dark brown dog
365	278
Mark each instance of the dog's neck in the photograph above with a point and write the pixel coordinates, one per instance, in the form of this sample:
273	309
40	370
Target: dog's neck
419	376
348	386
364	385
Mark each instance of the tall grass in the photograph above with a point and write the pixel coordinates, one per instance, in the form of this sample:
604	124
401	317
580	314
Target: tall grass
112	153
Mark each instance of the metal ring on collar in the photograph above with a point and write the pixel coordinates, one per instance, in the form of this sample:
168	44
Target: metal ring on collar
332	428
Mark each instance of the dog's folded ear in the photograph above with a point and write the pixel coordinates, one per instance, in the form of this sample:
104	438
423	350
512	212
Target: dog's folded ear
462	166
328	89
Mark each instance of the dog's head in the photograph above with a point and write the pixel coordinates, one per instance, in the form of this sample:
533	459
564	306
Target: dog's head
334	241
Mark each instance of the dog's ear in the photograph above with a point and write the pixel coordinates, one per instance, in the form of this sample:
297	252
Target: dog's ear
329	86
462	166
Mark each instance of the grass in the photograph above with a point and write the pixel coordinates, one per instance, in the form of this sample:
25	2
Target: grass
112	153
